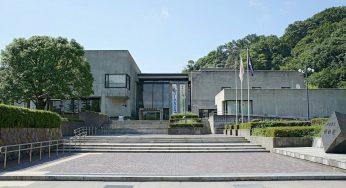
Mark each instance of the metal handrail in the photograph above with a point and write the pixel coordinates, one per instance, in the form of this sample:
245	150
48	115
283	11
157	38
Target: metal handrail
30	147
51	145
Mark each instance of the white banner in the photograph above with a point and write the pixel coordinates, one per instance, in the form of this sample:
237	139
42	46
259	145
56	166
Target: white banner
174	98
182	97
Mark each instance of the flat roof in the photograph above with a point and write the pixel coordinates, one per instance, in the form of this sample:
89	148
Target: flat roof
163	76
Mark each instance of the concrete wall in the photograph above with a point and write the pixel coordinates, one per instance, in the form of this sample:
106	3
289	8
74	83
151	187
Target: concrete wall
114	101
206	84
67	128
291	102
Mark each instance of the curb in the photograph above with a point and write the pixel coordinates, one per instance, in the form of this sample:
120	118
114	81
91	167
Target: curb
112	178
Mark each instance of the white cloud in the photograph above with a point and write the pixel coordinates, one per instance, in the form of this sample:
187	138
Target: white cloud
164	13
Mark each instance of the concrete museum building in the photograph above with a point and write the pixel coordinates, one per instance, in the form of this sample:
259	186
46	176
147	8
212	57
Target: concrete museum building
121	89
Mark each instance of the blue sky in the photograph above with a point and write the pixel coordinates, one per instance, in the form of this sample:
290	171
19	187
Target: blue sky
161	35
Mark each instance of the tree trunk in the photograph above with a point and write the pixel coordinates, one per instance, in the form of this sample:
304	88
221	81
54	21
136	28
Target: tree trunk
40	104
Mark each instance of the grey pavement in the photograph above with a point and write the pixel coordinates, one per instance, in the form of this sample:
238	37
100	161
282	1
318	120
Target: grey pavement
250	184
178	164
315	155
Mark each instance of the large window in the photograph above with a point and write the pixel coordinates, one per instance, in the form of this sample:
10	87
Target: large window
117	81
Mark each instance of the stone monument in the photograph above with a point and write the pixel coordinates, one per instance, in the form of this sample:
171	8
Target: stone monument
334	134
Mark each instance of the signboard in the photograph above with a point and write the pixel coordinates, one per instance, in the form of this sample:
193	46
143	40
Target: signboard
334	134
174	98
182	98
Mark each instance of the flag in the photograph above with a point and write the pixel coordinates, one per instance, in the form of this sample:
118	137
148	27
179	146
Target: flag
241	69
249	63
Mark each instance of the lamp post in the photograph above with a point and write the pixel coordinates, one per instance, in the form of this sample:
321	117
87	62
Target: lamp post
305	72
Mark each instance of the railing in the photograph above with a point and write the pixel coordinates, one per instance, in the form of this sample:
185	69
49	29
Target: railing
41	147
32	147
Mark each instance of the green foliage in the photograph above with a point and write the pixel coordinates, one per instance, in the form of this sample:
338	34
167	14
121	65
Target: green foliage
318	42
44	67
319	121
186	115
187	119
71	120
297	131
16	117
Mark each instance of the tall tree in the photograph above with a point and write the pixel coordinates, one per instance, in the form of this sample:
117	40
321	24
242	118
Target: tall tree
42	67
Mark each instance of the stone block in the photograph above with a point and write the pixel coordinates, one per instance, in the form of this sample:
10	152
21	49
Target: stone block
333	134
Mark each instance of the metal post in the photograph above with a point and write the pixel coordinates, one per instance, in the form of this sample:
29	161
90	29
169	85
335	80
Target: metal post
30	152
57	148
5	159
49	149
40	150
307	94
70	146
63	147
19	154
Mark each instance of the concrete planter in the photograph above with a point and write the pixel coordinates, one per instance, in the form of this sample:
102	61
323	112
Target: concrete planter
67	128
188	131
276	142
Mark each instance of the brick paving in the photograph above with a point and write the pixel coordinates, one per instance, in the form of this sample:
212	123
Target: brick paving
187	164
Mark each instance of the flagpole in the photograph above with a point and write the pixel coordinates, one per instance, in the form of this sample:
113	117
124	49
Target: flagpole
236	92
248	85
241	93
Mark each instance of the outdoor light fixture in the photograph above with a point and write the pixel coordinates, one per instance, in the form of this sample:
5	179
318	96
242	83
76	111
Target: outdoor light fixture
306	72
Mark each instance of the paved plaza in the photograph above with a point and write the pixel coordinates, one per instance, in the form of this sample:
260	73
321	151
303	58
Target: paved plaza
177	164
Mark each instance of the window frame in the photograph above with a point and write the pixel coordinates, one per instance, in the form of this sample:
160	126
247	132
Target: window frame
127	81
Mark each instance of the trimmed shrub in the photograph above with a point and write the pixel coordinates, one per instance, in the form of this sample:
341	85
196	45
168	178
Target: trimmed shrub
190	120
297	131
319	121
263	124
17	117
181	115
71	120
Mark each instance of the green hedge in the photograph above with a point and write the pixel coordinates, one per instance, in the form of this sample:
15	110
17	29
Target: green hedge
319	121
297	131
71	120
263	124
181	115
17	117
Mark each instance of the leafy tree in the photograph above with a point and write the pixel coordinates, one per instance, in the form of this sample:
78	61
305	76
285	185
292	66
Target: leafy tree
42	67
318	42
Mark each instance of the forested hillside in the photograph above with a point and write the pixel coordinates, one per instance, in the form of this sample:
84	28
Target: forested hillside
318	42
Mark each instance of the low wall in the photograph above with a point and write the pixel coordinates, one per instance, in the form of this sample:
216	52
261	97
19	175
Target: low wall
217	122
188	131
93	119
270	142
11	136
67	128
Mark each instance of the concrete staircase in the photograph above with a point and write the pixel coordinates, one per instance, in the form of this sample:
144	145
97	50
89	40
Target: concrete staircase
135	127
163	144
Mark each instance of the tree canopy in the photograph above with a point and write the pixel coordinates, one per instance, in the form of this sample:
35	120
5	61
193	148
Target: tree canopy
318	42
41	68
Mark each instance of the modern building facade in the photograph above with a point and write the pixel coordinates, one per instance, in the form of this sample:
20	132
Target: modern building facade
121	89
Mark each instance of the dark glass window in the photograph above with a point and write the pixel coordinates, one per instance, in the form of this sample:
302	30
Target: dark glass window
117	81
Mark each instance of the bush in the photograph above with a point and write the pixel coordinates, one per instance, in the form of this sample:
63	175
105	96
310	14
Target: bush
17	117
297	131
181	115
263	124
71	120
319	121
190	120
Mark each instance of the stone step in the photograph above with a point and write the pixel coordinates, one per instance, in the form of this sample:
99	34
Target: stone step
163	145
165	150
160	141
